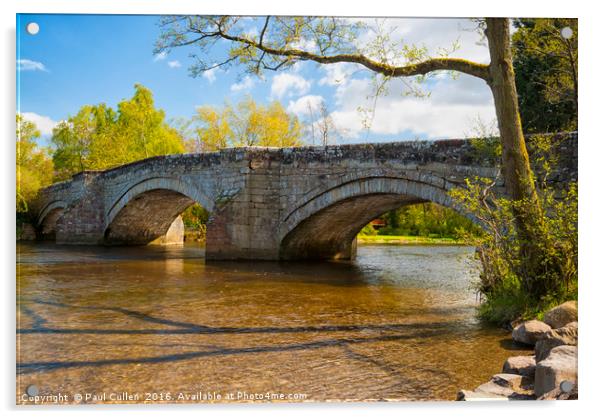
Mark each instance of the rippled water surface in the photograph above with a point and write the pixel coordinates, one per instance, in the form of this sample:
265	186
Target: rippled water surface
397	323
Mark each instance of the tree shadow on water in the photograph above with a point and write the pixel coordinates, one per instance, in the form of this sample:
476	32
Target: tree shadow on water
402	332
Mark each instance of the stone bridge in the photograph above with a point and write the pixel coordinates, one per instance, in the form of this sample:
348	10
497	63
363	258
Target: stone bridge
266	203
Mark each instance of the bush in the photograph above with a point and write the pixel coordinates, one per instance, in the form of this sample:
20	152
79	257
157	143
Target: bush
512	284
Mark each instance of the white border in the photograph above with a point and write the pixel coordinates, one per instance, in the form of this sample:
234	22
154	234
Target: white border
589	155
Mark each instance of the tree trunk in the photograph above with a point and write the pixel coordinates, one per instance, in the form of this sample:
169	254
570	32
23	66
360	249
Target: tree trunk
515	160
516	168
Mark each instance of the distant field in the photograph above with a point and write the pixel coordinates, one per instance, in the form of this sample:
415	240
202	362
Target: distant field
405	240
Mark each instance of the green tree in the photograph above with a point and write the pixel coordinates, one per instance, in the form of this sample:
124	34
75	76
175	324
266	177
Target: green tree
546	68
34	167
98	137
247	124
74	141
214	132
143	128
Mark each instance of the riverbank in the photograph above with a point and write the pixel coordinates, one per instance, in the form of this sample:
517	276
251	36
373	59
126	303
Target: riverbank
549	373
408	240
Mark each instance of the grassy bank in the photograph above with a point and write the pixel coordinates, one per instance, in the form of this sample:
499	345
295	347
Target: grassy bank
403	240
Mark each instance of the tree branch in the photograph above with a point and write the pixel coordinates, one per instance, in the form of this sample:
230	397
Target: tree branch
265	27
433	64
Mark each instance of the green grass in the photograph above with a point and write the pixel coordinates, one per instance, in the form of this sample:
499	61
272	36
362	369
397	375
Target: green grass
376	239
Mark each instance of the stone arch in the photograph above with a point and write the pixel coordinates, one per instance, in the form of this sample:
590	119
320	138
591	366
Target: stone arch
147	209
325	225
48	218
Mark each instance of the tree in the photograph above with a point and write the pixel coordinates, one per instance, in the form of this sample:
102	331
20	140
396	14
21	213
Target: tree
546	70
98	137
327	130
34	167
214	132
247	124
143	128
74	141
282	41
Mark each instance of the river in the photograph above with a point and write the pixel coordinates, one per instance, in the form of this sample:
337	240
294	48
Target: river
162	324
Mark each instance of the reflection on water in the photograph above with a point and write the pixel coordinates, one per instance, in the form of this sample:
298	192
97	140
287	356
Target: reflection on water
398	323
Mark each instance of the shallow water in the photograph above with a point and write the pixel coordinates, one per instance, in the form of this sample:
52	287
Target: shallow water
161	324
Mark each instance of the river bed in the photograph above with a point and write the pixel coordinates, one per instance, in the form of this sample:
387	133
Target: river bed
160	324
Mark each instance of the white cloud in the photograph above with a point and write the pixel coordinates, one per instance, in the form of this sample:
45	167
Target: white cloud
338	73
291	83
174	64
160	56
305	44
30	65
301	106
43	123
246	84
210	74
453	105
449	112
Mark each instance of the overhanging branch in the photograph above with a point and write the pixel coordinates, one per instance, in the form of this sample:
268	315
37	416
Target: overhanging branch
433	64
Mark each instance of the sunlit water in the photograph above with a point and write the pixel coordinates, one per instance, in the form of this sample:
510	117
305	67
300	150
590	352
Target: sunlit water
161	323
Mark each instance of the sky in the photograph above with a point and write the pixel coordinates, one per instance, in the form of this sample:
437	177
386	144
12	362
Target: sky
76	60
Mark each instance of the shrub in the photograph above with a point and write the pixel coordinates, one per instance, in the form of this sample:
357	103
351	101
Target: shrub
511	283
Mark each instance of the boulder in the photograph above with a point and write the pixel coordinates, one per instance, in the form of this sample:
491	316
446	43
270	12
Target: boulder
530	332
566	335
521	365
561	315
491	387
560	365
515	382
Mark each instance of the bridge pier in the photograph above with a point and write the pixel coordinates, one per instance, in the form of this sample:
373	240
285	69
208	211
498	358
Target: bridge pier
174	234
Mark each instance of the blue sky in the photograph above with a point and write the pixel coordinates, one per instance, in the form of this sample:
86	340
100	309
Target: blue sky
89	59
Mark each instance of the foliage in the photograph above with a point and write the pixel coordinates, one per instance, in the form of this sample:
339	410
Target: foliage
195	219
195	216
247	124
546	70
485	142
427	220
34	167
407	240
98	137
510	286
368	230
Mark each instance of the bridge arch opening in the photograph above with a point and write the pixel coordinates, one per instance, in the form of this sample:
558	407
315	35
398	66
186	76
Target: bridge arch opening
48	219
147	218
325	226
150	213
